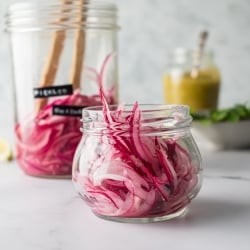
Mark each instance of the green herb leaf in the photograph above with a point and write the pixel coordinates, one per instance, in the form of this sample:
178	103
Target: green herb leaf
233	114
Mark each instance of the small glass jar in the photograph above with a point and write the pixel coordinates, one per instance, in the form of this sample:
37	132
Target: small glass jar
137	163
63	52
199	91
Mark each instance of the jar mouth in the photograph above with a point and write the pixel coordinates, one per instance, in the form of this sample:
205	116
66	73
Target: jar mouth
30	16
153	117
182	51
145	108
184	55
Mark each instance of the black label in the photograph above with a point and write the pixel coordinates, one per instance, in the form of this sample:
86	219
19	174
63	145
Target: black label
51	91
64	110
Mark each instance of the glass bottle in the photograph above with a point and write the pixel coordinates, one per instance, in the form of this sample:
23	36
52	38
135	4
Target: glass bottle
199	91
63	53
137	163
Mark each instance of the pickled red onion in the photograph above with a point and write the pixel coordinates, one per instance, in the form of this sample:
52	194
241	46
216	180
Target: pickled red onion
45	143
136	175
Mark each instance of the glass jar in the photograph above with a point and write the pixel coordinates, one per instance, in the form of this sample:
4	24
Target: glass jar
199	91
137	163
64	52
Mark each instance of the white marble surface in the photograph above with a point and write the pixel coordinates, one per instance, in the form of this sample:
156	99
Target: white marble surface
42	214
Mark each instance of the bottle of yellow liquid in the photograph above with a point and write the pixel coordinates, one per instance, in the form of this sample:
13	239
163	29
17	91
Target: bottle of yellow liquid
199	92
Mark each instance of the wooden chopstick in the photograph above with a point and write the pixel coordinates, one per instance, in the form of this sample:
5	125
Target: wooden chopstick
79	48
51	65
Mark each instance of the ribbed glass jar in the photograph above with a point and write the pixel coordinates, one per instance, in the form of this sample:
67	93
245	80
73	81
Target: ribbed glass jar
63	53
137	163
183	84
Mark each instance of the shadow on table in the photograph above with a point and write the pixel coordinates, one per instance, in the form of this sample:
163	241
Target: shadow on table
209	211
227	162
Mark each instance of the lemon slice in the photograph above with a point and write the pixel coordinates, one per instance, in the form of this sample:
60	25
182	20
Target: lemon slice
5	151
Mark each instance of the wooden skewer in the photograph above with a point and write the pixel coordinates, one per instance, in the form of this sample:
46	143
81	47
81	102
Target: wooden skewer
79	49
51	65
198	54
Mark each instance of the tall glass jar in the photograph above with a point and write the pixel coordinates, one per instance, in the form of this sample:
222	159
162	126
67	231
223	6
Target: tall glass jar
63	52
199	91
137	163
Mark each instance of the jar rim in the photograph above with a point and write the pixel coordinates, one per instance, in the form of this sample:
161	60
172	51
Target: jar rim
145	108
182	51
153	118
30	16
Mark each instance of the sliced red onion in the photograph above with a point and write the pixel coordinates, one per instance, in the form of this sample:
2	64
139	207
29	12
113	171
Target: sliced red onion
136	175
